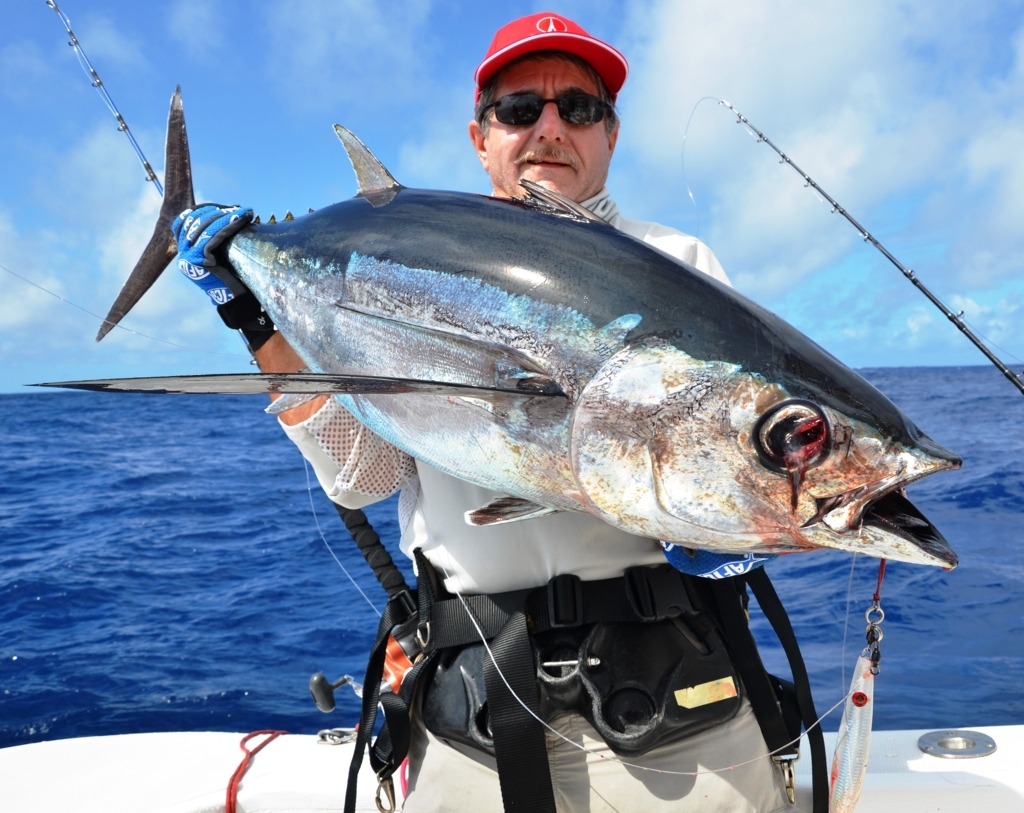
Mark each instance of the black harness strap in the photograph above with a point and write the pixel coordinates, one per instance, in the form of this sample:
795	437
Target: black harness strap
741	645
392	744
520	747
371	695
776	614
642	594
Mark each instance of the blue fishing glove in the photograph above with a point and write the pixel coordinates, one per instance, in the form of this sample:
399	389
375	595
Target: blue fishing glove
713	565
200	232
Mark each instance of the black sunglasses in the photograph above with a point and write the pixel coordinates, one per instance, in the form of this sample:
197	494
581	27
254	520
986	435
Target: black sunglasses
525	108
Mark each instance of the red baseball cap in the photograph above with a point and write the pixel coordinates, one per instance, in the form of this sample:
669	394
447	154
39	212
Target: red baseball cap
549	31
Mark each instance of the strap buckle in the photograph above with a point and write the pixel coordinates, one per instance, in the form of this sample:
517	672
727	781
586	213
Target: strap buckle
655	593
408	604
565	601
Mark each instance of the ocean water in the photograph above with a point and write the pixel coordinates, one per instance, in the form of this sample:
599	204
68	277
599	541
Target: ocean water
161	568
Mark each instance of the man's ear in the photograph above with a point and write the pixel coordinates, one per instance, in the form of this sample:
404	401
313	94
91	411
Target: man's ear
613	137
476	135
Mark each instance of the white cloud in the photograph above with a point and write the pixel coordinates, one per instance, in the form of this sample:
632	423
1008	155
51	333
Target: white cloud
23	69
909	114
119	46
24	304
919	320
350	52
198	26
440	154
94	183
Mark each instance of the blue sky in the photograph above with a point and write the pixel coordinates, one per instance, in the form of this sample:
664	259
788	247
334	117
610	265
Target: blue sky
910	114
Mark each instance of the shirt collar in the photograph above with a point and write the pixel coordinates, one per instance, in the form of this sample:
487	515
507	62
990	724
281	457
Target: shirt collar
602	205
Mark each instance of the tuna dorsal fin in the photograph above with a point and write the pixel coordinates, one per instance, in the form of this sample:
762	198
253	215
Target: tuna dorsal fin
375	182
557	200
507	509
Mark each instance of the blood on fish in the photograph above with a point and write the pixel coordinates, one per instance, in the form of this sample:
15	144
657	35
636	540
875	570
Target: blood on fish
801	447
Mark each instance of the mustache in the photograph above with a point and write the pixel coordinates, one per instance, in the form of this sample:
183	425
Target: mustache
547	154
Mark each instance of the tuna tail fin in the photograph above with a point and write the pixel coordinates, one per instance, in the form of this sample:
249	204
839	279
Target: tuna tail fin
178	196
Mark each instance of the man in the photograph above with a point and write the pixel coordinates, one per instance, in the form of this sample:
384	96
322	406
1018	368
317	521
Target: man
545	113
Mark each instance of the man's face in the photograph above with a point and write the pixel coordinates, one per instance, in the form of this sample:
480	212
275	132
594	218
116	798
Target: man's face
568	158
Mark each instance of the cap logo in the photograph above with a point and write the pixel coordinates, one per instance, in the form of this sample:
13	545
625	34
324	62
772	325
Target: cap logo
551	25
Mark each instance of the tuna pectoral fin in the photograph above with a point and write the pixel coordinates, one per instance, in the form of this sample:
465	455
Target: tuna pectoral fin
178	196
286	402
304	383
507	509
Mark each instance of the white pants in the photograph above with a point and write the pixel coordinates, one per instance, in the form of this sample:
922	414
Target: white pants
445	777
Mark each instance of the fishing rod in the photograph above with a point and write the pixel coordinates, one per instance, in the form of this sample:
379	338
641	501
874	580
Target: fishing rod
955	318
97	83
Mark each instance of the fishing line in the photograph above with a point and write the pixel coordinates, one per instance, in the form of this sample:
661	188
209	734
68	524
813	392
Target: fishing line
583	748
910	274
316	519
122	327
846	623
94	79
1009	353
682	156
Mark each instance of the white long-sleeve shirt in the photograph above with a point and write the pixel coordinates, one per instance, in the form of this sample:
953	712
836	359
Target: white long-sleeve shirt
356	467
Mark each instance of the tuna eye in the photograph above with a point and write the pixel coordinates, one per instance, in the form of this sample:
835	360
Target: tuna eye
793	435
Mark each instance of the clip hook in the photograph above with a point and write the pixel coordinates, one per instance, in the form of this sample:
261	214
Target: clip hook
786	765
386	784
874	616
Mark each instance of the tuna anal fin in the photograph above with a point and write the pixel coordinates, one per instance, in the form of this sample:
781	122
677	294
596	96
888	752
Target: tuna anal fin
178	196
291	401
507	509
375	182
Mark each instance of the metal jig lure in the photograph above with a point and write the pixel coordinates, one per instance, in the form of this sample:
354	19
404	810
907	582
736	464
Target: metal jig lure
850	760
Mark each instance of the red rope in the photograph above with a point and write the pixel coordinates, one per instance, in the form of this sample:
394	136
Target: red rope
236	779
881	575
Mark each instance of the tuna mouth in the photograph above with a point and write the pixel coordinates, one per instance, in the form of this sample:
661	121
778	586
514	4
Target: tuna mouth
845	512
885	506
897	515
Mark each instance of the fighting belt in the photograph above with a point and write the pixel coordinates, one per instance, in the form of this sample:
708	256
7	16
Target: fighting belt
640	685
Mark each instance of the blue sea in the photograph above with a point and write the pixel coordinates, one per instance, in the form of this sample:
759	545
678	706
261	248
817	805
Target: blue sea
161	569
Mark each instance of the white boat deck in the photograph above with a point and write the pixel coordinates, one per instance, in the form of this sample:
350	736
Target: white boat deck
188	772
902	779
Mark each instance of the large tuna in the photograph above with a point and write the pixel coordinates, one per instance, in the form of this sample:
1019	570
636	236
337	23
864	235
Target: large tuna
608	377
